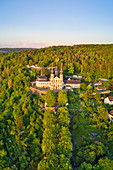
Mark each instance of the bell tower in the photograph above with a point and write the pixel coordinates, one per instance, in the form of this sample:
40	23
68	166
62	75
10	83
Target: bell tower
56	71
61	73
52	79
61	78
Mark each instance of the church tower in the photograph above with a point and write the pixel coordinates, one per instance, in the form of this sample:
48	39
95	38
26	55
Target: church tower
61	73
61	77
52	79
56	71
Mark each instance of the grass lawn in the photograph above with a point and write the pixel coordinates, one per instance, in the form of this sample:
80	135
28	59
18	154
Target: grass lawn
83	131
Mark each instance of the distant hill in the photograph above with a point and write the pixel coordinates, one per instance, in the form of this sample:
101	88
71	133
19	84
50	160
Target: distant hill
8	50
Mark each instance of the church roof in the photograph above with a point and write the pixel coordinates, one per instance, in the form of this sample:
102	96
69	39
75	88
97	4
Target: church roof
42	78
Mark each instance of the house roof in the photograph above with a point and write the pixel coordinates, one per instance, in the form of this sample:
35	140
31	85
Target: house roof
111	112
101	87
110	98
111	87
73	82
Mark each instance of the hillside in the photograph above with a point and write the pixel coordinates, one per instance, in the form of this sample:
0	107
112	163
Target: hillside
31	138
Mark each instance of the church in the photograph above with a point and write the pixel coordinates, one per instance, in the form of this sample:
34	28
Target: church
55	81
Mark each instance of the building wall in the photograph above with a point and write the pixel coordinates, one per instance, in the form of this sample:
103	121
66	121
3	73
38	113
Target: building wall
73	85
110	117
43	84
107	101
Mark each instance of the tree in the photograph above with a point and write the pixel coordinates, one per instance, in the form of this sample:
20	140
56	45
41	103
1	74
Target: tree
102	113
64	163
103	164
19	122
83	86
1	79
62	97
85	166
49	141
97	97
70	68
50	98
90	153
49	118
30	62
65	145
63	116
49	163
10	83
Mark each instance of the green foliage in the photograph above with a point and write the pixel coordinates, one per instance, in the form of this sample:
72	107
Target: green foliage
65	145
62	97
83	86
70	68
20	119
56	139
103	164
55	162
20	110
97	97
90	153
49	118
63	116
50	98
85	166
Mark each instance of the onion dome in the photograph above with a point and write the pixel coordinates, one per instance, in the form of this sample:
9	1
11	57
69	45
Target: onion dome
42	78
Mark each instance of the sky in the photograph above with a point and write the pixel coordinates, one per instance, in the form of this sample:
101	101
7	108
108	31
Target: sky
42	23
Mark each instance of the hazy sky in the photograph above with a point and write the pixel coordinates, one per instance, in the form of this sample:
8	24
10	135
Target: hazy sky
40	23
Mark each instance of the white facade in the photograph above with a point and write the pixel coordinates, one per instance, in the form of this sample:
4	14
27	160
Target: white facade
78	77
77	86
43	84
110	117
107	101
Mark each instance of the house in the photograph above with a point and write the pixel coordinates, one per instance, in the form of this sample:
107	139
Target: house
101	88
77	77
101	79
73	83
97	83
111	87
68	87
28	66
34	66
109	100
110	115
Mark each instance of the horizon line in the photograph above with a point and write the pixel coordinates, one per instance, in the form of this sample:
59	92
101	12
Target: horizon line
47	46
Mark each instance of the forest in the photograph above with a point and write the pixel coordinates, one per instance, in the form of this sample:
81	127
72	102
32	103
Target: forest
26	131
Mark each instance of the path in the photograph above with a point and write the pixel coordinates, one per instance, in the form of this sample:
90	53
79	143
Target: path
72	140
76	109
